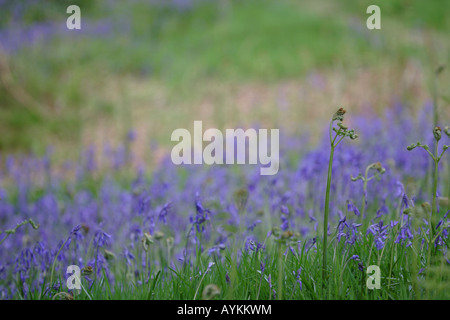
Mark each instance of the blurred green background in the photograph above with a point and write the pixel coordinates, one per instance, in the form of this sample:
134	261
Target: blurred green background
154	66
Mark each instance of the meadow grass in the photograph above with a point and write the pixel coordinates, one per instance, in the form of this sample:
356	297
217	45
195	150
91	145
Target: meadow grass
184	62
263	260
345	281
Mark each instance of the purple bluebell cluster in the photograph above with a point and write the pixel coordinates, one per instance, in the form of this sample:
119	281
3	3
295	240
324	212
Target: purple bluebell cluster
21	29
97	215
17	33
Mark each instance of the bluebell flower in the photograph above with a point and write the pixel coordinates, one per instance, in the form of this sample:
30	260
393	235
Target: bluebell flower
299	281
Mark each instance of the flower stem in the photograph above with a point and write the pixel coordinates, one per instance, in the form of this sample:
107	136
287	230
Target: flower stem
280	273
363	204
13	230
435	183
325	222
54	261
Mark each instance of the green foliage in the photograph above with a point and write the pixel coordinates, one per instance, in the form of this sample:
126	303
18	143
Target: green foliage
237	41
413	13
346	281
